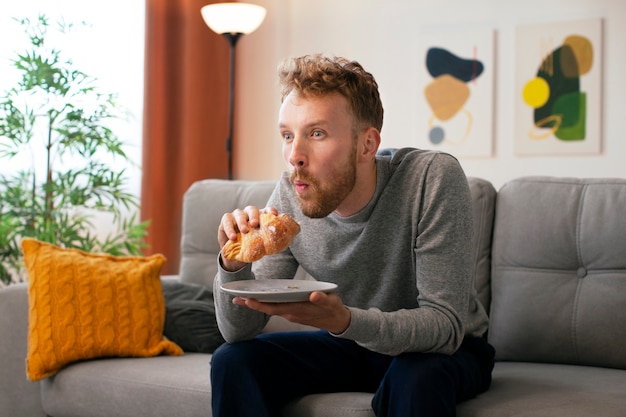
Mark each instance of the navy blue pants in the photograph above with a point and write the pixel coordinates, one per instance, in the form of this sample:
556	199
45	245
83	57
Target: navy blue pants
257	378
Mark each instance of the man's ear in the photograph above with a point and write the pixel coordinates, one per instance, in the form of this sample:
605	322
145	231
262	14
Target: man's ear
368	144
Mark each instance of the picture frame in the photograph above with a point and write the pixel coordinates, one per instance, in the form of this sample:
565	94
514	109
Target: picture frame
456	91
558	88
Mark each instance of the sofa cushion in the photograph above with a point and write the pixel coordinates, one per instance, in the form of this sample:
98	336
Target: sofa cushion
20	397
518	390
483	208
559	271
163	386
549	390
180	386
204	203
190	320
84	305
340	404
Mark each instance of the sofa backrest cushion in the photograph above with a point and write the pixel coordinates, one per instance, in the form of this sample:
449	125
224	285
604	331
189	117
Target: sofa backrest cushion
483	207
558	280
204	203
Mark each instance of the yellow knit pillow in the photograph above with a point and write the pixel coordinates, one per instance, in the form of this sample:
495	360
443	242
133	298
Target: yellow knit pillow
84	306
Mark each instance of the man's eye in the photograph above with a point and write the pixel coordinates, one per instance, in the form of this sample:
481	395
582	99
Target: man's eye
318	133
287	136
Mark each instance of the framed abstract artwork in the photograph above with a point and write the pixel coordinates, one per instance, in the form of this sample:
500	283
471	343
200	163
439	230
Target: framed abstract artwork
455	92
558	90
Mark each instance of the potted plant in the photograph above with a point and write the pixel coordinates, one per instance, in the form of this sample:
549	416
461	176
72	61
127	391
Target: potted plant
55	122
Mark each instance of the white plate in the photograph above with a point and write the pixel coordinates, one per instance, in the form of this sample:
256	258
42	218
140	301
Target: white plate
277	290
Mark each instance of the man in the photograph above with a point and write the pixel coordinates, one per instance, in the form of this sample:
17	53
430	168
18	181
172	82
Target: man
393	232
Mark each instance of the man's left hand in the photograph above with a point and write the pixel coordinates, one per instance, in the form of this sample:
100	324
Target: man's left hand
324	311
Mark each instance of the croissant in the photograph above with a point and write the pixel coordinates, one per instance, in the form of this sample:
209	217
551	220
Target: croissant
272	236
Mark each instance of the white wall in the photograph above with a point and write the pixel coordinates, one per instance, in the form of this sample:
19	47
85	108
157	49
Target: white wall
383	35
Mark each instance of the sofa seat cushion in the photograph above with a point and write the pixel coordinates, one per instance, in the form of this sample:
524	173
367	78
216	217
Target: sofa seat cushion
162	386
180	386
518	389
353	404
521	389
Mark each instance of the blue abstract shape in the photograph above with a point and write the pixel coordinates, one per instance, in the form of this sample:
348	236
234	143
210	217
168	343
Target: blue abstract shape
436	135
440	61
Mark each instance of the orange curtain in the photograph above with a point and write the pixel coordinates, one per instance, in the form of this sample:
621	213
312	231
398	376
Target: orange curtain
185	116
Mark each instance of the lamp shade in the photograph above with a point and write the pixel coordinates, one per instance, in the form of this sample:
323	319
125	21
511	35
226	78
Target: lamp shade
233	17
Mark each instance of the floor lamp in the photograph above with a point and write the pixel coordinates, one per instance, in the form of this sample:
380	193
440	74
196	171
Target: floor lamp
232	20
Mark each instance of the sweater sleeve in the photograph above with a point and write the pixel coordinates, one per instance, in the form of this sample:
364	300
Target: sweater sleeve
443	273
237	323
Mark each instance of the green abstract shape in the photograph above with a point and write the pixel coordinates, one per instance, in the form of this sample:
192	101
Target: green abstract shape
572	108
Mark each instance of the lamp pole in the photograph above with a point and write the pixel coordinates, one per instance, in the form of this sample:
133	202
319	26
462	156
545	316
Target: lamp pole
232	20
232	39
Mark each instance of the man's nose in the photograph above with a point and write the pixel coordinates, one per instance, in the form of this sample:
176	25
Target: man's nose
297	156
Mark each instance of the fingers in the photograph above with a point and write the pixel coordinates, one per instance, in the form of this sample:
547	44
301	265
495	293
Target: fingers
318	297
271	210
240	220
239	301
288	311
247	218
227	230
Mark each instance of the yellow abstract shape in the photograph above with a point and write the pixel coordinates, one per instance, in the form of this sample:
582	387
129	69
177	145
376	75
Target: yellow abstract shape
582	49
446	95
556	118
536	92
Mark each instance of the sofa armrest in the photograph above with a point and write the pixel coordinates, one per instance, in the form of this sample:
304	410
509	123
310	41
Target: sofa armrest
19	397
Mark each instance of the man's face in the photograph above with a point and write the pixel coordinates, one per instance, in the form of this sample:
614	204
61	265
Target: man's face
320	149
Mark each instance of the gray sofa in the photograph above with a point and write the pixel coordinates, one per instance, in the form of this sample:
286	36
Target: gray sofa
550	267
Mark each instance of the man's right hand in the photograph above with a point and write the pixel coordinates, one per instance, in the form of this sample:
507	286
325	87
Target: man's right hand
238	221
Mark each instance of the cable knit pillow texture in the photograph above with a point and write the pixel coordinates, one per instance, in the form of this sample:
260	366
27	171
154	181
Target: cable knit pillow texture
84	306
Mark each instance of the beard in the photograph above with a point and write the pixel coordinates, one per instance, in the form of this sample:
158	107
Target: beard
322	199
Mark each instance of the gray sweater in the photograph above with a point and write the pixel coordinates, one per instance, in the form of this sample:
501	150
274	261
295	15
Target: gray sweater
402	264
